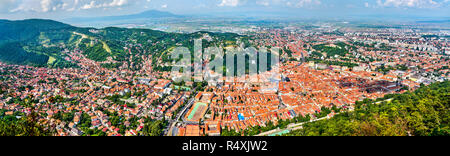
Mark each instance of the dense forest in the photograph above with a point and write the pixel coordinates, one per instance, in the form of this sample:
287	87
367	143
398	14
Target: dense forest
34	42
28	30
41	42
424	112
339	50
15	54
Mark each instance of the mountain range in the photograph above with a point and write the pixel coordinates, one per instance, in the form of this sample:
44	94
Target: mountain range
150	14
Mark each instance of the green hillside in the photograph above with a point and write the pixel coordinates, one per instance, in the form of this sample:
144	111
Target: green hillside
41	42
424	112
15	54
29	30
34	42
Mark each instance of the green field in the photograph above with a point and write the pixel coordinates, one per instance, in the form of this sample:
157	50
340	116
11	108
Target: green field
194	111
280	133
51	60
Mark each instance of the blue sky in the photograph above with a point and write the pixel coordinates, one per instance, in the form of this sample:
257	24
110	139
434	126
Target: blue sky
61	9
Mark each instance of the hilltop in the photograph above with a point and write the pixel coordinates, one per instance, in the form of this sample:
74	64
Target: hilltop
42	42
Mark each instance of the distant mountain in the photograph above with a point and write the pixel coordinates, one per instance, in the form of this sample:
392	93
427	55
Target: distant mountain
150	14
434	21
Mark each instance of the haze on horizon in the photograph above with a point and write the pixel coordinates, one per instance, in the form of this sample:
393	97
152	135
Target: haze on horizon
63	9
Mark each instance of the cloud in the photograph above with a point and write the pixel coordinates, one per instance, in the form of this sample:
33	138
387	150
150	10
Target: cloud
114	3
117	3
90	6
409	3
59	5
52	5
279	3
263	2
231	3
44	6
306	3
7	5
29	5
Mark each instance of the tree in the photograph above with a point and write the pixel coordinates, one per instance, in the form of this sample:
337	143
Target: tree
153	128
424	112
25	126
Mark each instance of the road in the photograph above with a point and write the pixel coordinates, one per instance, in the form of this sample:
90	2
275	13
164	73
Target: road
173	123
290	127
295	126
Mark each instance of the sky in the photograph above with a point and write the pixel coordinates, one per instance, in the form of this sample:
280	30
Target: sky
63	9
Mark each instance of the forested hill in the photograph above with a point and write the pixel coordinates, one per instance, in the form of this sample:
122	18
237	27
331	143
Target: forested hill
424	112
25	30
40	42
34	42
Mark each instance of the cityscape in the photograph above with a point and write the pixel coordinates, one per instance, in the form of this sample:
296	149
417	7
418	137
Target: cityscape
99	68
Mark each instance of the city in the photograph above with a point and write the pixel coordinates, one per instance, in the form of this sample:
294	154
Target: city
70	80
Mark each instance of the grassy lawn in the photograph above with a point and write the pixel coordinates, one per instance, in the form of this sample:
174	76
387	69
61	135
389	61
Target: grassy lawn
51	59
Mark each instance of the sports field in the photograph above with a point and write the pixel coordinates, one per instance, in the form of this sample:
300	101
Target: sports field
197	112
279	133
